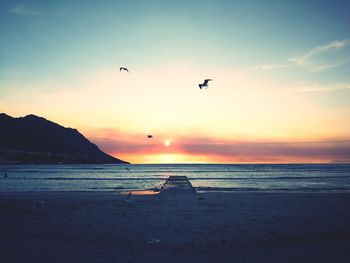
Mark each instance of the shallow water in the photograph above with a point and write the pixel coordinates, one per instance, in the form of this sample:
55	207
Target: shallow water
205	177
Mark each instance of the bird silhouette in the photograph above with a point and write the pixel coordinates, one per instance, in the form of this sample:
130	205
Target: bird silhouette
204	84
121	68
150	136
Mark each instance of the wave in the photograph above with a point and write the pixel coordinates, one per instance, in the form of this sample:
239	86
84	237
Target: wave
86	179
189	177
106	188
187	172
180	168
299	189
270	178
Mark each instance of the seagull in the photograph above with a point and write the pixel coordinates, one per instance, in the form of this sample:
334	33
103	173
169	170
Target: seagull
121	68
205	83
150	136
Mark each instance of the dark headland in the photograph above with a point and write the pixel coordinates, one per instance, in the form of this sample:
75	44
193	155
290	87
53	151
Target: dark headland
33	139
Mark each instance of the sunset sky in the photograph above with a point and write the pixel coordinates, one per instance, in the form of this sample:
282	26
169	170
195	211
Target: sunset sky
281	77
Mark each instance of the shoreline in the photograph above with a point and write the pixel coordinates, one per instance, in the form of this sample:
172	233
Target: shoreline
258	191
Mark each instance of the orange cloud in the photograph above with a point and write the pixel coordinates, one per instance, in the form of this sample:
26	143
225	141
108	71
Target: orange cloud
137	148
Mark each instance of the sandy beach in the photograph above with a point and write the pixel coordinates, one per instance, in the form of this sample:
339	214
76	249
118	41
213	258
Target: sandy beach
219	227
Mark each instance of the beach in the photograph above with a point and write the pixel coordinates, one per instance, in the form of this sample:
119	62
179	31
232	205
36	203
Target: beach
244	226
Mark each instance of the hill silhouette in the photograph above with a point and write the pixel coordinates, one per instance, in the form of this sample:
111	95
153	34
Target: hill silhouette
33	139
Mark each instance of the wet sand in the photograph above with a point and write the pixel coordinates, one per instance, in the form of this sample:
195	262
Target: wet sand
179	227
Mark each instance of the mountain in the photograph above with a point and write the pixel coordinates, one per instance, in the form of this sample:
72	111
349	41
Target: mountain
32	139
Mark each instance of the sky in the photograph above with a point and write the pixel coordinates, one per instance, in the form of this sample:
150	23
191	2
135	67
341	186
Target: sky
281	77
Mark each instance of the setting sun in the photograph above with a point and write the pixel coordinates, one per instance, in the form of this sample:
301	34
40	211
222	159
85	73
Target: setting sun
167	143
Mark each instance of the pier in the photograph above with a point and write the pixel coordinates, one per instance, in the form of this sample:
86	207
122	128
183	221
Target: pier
177	184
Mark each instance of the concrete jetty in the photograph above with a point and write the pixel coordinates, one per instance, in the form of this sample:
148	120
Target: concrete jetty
177	184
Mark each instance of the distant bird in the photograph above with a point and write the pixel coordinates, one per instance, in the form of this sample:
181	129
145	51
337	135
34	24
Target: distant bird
149	136
205	83
121	68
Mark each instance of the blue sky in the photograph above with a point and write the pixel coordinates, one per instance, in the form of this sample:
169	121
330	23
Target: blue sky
58	36
280	68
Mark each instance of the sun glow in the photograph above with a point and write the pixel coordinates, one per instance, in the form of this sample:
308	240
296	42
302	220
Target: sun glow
167	143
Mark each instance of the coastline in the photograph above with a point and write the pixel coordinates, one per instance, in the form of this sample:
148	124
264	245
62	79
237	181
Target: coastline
220	227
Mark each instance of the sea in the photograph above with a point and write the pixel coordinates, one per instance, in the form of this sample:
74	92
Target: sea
204	177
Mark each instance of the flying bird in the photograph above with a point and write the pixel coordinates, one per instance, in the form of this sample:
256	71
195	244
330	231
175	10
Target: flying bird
204	84
149	136
121	68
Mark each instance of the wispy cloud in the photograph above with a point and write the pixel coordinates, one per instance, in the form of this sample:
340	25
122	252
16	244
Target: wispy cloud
271	66
22	10
302	60
324	88
320	58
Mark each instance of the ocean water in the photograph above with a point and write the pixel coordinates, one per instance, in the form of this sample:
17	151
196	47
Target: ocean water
204	177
